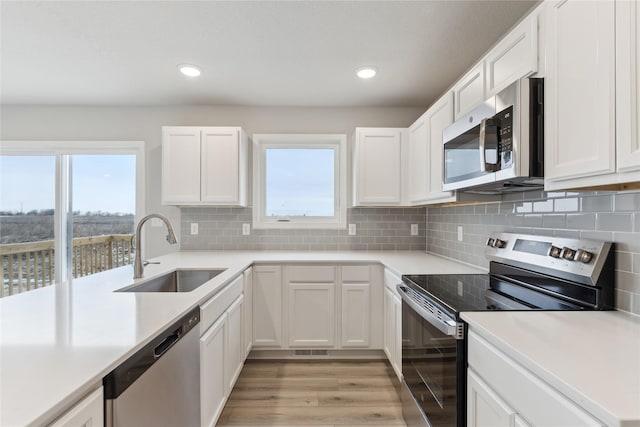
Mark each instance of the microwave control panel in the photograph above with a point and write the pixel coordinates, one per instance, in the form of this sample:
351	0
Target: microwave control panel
505	120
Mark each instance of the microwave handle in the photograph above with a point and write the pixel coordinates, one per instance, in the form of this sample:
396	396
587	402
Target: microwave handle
484	166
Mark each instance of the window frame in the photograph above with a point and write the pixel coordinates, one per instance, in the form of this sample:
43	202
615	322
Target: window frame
62	151
263	142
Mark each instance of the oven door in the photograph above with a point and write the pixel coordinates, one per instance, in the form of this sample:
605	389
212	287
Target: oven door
433	370
471	150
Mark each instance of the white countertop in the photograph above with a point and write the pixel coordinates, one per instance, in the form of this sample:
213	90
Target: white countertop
57	343
591	357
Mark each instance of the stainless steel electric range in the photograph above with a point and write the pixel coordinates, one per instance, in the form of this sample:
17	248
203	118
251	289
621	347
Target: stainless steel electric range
525	273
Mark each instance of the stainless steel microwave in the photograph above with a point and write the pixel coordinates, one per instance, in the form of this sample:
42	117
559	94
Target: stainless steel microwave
499	145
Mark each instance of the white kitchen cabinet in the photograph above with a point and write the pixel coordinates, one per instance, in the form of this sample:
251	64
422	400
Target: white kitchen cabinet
247	308
579	93
628	90
89	412
234	357
204	166
484	407
501	391
355	302
377	166
470	90
311	306
212	369
267	306
514	57
426	154
392	322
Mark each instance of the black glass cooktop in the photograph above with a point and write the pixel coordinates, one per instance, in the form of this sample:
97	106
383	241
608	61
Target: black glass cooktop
455	293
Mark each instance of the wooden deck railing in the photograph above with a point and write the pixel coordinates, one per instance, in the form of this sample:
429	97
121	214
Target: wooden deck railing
27	266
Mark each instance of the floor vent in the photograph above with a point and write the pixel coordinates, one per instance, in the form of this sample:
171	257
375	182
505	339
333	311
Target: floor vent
311	353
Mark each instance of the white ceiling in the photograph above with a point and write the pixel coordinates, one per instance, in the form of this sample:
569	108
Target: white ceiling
257	53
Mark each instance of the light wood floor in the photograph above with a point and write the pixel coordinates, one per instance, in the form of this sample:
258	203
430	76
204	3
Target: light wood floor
313	393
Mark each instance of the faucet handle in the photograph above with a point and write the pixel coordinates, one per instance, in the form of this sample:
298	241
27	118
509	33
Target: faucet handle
145	262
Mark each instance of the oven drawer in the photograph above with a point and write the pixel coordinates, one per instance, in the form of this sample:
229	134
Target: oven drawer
533	399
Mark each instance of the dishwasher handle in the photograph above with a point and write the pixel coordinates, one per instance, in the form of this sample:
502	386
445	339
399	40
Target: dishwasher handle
167	343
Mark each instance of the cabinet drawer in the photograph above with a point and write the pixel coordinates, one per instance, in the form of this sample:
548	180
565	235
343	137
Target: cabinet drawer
534	399
212	309
355	273
311	273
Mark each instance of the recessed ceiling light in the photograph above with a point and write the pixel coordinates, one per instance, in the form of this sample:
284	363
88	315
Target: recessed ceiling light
366	72
189	70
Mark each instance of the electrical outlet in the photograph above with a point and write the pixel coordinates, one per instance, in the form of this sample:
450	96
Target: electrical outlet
460	288
414	229
460	233
246	229
352	229
194	228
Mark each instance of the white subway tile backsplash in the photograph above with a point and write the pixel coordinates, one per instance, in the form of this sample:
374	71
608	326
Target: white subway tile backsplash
602	216
378	229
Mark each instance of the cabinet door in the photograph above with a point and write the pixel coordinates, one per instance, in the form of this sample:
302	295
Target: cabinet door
89	412
514	57
311	314
234	349
439	116
397	351
469	91
377	167
484	407
354	327
389	339
212	368
247	308
267	306
419	162
221	165
579	89
180	165
628	86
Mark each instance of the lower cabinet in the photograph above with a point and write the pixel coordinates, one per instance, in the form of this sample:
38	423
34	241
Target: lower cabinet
89	412
392	314
222	350
212	368
247	310
267	306
502	392
312	306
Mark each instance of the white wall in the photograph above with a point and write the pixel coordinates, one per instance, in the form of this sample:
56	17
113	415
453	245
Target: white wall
144	123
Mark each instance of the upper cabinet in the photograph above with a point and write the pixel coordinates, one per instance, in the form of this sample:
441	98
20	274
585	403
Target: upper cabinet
377	166
204	166
628	87
425	154
470	90
514	57
591	94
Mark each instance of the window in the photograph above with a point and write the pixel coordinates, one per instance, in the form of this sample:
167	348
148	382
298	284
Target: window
67	209
299	181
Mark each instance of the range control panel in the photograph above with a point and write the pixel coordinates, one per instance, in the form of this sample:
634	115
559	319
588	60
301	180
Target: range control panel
566	257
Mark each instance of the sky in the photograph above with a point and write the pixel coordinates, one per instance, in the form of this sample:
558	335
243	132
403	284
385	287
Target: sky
300	182
100	183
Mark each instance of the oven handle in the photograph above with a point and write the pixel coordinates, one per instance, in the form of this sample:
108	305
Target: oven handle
447	326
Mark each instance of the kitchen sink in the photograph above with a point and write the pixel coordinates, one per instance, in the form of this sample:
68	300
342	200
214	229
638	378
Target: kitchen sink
176	281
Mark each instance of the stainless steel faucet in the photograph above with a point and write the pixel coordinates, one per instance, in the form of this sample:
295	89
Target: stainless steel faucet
138	265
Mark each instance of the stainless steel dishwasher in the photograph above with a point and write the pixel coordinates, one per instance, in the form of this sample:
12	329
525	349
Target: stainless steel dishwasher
160	384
